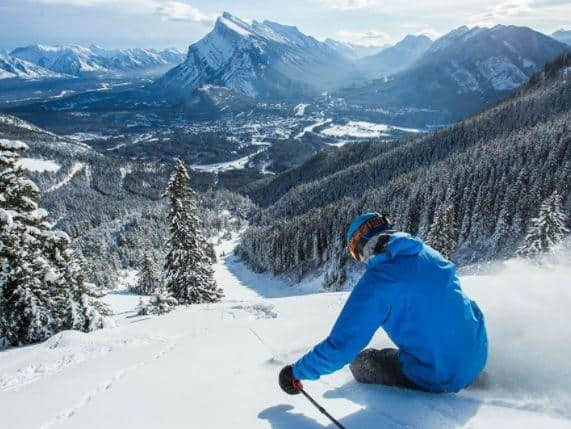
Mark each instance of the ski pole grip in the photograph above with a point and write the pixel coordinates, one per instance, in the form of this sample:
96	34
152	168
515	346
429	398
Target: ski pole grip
297	385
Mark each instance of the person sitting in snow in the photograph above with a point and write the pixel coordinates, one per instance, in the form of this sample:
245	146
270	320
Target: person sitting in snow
413	293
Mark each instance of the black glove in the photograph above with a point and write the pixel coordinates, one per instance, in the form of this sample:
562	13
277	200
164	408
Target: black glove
288	383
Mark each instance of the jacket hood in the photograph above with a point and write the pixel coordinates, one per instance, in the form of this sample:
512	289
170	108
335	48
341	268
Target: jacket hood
399	244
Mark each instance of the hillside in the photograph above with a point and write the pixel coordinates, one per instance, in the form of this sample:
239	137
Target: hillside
494	168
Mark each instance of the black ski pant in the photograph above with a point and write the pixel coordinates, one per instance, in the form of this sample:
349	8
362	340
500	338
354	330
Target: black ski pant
380	367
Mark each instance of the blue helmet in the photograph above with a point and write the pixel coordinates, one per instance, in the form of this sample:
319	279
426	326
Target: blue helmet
363	228
357	222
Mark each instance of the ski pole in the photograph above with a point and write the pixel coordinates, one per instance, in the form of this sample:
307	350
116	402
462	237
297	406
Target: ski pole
322	410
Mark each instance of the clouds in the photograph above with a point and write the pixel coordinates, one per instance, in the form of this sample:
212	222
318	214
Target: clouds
177	11
365	38
348	4
523	10
169	10
144	6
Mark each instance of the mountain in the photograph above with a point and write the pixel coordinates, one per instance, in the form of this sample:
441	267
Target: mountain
78	60
462	72
563	36
12	67
493	168
264	60
397	57
353	51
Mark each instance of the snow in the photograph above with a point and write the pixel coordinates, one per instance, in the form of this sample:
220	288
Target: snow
311	127
216	365
299	110
235	25
501	73
358	129
38	165
75	168
236	164
17	122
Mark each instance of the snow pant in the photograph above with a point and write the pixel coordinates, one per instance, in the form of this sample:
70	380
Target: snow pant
380	367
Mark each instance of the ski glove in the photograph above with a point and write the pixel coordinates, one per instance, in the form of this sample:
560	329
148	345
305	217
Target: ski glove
288	383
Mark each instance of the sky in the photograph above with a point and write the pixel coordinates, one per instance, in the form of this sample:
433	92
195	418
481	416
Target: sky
178	23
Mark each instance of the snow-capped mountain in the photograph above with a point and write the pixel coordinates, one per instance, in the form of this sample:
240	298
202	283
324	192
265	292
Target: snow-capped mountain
263	60
501	58
353	51
12	67
78	60
397	57
563	36
463	71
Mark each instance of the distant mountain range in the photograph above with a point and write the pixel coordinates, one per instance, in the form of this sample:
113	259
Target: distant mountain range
563	36
396	58
12	67
353	51
78	60
239	66
463	71
458	74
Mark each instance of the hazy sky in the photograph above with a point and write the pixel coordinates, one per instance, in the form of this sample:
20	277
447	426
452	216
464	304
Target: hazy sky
162	23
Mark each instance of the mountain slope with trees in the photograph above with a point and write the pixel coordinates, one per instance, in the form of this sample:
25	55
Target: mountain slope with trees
493	169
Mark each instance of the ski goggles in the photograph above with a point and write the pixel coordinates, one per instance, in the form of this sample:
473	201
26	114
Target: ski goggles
369	229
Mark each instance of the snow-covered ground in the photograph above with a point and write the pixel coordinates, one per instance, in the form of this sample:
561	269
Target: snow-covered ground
39	165
216	366
236	164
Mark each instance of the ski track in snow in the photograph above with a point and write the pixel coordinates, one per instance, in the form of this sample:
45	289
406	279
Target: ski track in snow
154	372
102	388
75	168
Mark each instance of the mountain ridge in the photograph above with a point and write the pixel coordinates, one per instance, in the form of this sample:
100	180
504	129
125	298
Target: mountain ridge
78	60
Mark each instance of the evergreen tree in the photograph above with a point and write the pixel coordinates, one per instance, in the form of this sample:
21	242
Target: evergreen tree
547	229
142	308
161	302
149	280
442	233
188	271
42	289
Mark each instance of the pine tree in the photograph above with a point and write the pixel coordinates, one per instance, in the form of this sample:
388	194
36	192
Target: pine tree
188	271
161	302
149	280
547	229
142	308
42	289
442	233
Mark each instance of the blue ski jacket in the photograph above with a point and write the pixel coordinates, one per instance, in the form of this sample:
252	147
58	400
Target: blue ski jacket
413	293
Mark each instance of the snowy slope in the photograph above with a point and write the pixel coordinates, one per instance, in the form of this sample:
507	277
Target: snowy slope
264	60
215	366
77	60
12	67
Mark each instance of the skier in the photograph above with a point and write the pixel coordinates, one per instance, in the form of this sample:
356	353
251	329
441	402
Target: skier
413	293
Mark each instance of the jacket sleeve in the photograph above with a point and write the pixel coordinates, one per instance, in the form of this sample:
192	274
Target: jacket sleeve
364	312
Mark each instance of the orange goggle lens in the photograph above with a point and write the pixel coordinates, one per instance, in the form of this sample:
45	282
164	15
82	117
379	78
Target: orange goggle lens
356	240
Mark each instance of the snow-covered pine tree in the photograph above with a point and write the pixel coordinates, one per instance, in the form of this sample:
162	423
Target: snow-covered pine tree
442	233
547	229
149	279
142	308
27	306
41	288
188	271
161	302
